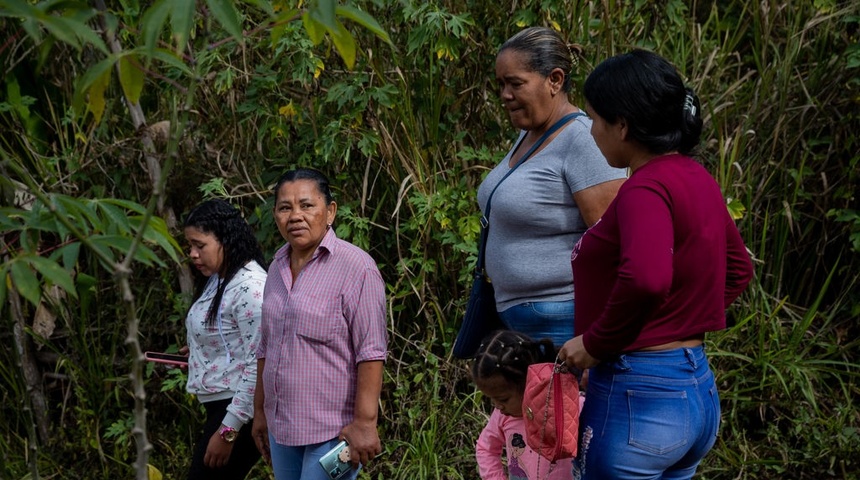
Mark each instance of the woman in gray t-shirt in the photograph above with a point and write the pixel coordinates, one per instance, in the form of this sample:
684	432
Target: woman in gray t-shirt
540	211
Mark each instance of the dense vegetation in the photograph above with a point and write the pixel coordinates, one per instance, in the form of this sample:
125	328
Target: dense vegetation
118	118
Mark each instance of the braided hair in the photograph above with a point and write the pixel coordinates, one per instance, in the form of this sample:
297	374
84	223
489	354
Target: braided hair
237	239
509	353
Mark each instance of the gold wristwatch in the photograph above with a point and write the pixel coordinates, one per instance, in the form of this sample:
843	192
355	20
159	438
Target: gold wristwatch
228	434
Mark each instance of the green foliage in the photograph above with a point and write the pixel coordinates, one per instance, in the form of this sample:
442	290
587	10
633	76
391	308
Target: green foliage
396	102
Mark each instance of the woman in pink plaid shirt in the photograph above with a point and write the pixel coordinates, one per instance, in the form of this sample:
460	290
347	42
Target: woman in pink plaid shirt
324	339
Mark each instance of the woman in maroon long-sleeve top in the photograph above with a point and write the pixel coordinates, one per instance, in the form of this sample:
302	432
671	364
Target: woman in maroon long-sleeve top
662	265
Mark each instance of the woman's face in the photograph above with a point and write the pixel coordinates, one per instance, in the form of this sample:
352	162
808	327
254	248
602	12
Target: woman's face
302	214
206	252
608	137
526	95
505	396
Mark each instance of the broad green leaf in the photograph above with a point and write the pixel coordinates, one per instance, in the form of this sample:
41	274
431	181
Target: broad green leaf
157	233
278	28
736	208
121	245
286	16
315	29
345	45
81	29
80	212
152	24
263	5
54	273
364	19
181	20
131	77
19	8
323	11
70	254
90	77
226	14
117	220
50	222
61	31
171	59
103	250
126	204
10	219
25	281
13	96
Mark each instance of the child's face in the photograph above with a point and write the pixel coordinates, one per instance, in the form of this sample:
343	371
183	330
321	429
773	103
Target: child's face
504	395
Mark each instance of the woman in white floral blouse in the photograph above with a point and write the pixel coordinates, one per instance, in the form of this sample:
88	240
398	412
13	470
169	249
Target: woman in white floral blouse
223	326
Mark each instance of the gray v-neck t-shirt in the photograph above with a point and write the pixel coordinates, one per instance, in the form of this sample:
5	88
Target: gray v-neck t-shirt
534	221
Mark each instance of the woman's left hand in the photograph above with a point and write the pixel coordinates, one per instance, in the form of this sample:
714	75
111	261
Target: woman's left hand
217	452
573	354
363	440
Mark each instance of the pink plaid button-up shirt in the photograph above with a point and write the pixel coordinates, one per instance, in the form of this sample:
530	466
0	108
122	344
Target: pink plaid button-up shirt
316	331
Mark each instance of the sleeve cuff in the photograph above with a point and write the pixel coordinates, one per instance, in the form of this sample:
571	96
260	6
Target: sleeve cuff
232	421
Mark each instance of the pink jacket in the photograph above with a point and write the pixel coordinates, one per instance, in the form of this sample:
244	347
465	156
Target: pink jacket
508	433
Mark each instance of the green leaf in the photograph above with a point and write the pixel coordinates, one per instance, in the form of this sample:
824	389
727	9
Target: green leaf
170	58
315	29
345	45
81	30
79	212
263	5
364	19
96	103
736	208
59	30
226	14
70	254
103	249
131	77
25	281
157	233
53	273
95	74
181	20
117	220
152	24
323	11
126	204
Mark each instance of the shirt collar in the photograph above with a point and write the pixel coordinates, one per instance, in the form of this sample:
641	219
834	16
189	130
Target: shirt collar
327	244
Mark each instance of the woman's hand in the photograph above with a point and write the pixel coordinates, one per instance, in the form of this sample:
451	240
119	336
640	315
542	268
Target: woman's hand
363	440
217	452
260	434
573	354
184	350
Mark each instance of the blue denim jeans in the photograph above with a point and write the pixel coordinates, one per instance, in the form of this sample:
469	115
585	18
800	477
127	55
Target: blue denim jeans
303	462
648	415
538	320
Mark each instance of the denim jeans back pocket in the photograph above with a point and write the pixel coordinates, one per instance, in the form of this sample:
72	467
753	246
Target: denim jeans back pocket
659	421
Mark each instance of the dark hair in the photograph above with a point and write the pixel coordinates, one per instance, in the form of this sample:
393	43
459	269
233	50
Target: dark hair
307	174
545	51
237	239
518	441
509	353
646	91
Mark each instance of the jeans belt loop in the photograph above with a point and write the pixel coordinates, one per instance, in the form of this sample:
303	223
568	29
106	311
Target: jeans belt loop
691	358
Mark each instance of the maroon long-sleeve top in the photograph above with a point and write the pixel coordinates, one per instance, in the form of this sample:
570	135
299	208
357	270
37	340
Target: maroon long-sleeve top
662	264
